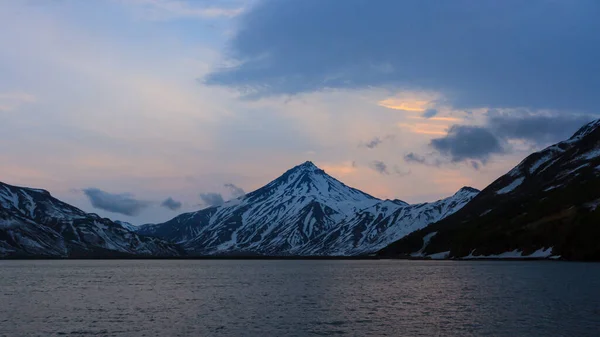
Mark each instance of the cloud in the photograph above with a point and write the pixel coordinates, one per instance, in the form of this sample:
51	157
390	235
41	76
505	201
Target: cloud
412	157
464	142
163	10
428	160
429	113
373	143
401	172
379	166
212	199
534	128
475	144
171	204
12	100
236	192
467	142
123	203
534	54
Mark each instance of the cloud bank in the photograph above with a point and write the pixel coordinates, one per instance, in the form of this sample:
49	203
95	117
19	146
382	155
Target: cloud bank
505	54
467	142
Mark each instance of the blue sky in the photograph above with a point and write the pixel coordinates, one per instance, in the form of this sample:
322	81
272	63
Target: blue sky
141	109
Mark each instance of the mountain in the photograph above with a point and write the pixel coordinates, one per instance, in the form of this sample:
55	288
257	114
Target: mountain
303	212
34	224
547	206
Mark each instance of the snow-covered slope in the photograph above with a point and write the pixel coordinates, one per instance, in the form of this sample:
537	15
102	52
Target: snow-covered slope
549	200
303	212
33	223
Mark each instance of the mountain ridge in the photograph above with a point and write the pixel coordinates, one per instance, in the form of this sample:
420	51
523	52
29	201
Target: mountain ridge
302	212
547	203
34	223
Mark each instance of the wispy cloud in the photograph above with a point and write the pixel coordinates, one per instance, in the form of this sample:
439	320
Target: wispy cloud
12	100
422	128
162	10
379	167
436	119
412	157
373	143
171	204
428	160
340	169
399	104
376	141
236	191
212	199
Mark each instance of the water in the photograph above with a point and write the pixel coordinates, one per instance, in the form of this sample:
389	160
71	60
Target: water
298	298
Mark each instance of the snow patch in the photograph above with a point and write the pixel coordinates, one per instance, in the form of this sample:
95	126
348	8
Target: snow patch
510	187
426	240
573	170
515	254
590	154
592	205
541	253
551	188
439	256
539	163
485	212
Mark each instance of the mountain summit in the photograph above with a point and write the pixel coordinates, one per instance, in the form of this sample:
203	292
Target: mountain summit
303	212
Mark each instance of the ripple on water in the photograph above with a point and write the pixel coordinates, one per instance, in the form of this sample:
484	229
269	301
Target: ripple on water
298	298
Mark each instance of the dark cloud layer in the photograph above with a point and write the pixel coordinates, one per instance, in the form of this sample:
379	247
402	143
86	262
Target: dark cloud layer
236	191
212	199
171	204
533	54
123	203
467	142
537	129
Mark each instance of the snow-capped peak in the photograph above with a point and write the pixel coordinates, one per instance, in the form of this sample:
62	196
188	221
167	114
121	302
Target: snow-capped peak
307	165
467	189
305	211
585	130
307	180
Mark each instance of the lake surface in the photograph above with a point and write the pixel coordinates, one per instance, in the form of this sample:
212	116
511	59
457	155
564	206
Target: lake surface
298	298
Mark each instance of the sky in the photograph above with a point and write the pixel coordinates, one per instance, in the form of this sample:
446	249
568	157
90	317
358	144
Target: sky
139	110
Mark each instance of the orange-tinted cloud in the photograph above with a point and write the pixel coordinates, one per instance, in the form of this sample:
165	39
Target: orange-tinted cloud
339	169
427	129
440	119
403	104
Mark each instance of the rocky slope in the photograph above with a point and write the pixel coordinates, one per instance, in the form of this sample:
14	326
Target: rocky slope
34	224
547	206
303	212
